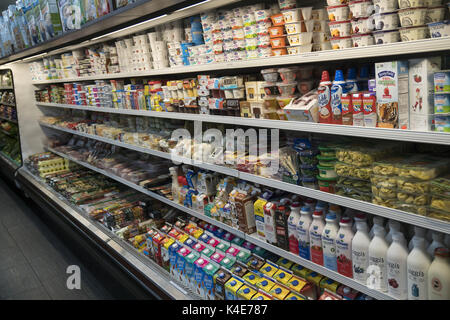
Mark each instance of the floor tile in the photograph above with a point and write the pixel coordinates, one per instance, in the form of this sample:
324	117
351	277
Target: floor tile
57	289
11	257
38	293
17	279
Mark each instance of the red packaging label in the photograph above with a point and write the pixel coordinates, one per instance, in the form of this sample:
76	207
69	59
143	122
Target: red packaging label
324	101
293	244
317	255
344	266
347	109
370	110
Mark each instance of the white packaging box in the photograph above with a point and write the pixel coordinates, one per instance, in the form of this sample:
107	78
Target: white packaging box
422	122
421	85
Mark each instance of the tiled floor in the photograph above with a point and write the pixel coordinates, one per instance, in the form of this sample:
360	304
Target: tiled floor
33	259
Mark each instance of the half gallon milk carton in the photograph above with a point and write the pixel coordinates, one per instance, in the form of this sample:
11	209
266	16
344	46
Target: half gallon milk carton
392	94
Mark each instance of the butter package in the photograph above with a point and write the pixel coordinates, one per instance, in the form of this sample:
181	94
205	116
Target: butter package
282	276
220	278
262	296
232	287
269	269
279	292
251	277
246	292
294	296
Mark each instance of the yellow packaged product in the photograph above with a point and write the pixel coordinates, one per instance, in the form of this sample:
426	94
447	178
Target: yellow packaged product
330	284
269	269
423	167
265	284
315	278
285	263
282	276
296	284
279	291
246	292
300	271
262	296
251	277
294	296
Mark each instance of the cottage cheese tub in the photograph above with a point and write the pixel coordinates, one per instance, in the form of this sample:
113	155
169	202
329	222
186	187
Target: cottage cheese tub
414	33
412	17
383	37
386	21
338	13
340	28
440	29
382	6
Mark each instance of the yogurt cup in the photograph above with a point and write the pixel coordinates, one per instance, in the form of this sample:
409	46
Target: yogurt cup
362	25
432	3
293	15
287	75
287	4
319	26
341	43
279	52
305	86
306	13
236	23
264	52
300	38
319	37
413	33
263	41
277	19
382	6
249	19
336	2
319	14
362	40
435	14
383	37
403	4
278	42
361	8
321	46
308	25
295	27
263	27
292	50
338	13
287	89
284	101
270	75
440	29
386	21
340	28
276	31
412	17
262	15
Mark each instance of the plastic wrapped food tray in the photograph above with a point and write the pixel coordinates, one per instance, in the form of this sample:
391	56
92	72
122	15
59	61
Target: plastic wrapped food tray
347	170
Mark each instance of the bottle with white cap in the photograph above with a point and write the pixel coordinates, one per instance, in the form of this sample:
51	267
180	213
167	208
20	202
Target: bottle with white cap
418	263
377	221
315	238
439	276
396	257
329	241
303	232
418	233
360	253
438	242
394	226
377	260
344	247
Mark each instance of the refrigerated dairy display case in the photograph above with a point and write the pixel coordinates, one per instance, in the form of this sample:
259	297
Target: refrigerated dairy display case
111	105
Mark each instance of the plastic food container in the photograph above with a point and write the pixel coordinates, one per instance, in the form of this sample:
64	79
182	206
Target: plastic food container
309	25
440	29
432	3
442	81
353	193
412	208
361	25
306	13
295	27
305	86
320	37
347	170
413	33
412	185
383	37
402	4
382	6
277	19
305	73
310	182
362	40
308	157
287	75
412	17
441	185
422	167
389	182
300	49
327	184
361	8
338	13
239	93
286	89
279	52
293	15
326	172
279	42
341	43
319	26
320	14
438	214
386	21
287	4
384	193
362	185
413	198
336	2
270	75
308	170
325	45
340	28
435	14
262	15
303	38
442	103
276	31
271	90
284	101
325	161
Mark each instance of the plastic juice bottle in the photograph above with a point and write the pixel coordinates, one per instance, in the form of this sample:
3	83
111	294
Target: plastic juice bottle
281	226
336	210
377	221
396	257
418	263
337	89
320	206
315	236
351	85
269	222
438	242
344	247
360	253
439	276
418	233
394	226
324	98
293	220
377	260
329	234
303	226
359	217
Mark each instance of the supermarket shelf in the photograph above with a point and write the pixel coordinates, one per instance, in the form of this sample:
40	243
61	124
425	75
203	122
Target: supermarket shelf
10	120
411	218
146	267
252	238
376	133
8	104
6	87
392	49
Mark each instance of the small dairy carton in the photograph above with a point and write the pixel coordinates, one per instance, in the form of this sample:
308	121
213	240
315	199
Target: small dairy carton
199	274
392	94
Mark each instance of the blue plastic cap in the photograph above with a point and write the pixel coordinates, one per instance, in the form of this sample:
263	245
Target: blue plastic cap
351	74
246	290
233	283
251	277
268	268
282	275
294	283
264	283
293	298
260	298
339	76
238	269
278	290
331	215
364	72
306	208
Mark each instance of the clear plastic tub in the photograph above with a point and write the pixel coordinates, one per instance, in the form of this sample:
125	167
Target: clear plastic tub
362	185
326	161
308	157
327	151
362	156
308	170
347	170
384	193
422	210
438	214
412	185
390	203
327	184
413	198
440	185
422	167
440	202
353	193
386	167
384	181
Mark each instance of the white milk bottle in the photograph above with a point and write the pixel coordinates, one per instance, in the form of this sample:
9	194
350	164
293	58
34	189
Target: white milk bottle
418	263
418	233
329	241
438	242
360	253
303	232
439	276
344	247
377	260
377	221
359	217
293	219
315	238
396	257
394	226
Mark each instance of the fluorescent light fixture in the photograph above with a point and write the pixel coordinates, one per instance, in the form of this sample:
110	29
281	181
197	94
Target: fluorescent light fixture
34	57
191	6
130	27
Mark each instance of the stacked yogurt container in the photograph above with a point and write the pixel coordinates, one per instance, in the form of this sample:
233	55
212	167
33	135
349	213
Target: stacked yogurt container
386	22
435	18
